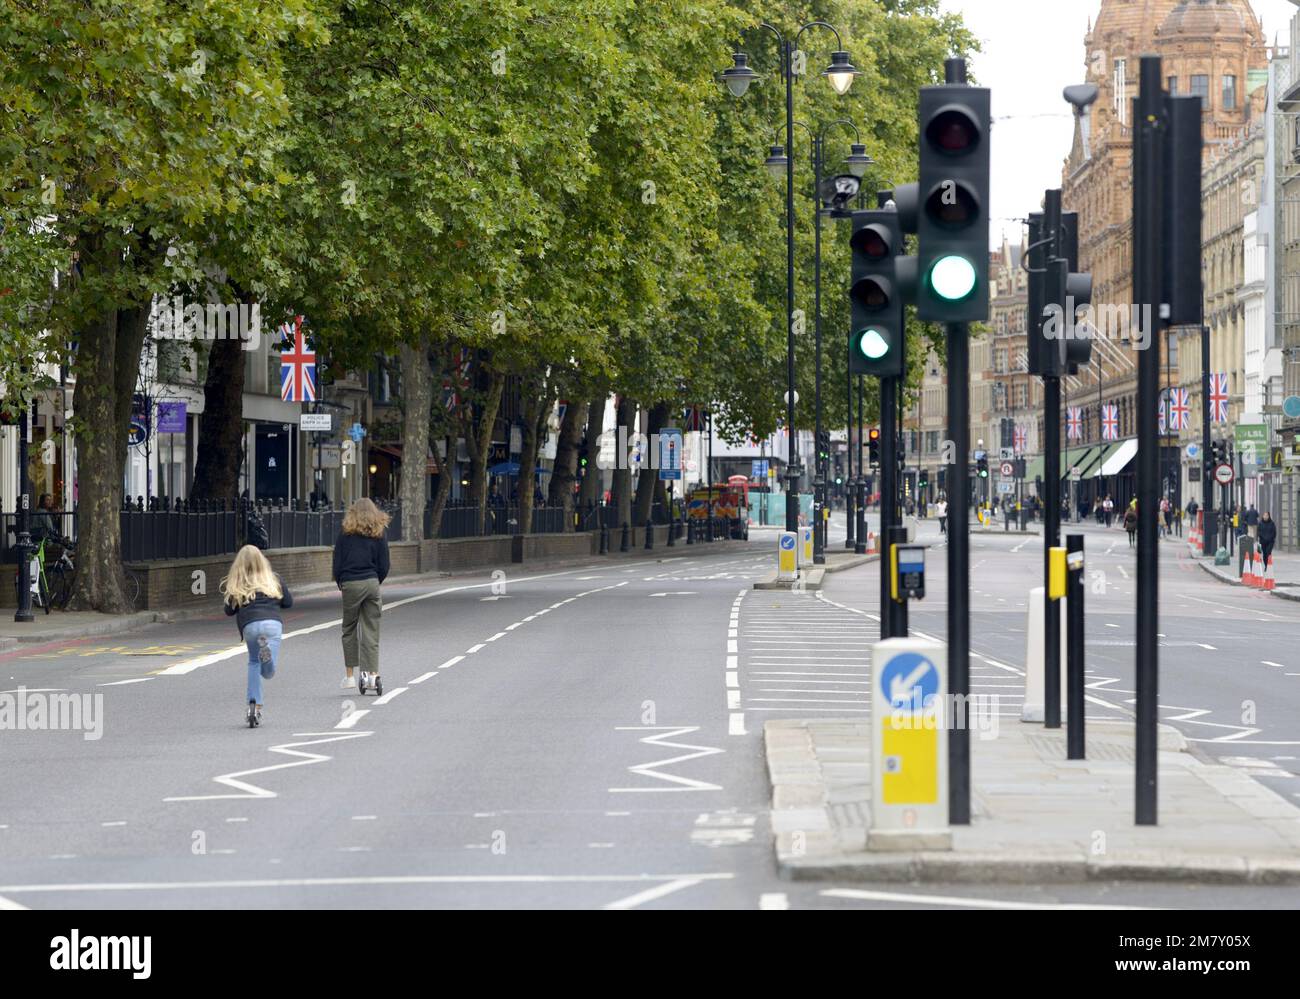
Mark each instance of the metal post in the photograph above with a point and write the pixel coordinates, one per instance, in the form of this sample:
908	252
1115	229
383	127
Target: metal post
958	486
888	501
1148	183
819	467
850	490
1074	736
860	546
1210	535
23	543
708	481
791	471
896	535
1052	501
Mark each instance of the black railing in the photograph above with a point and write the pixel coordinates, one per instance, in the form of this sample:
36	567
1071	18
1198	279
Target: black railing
38	524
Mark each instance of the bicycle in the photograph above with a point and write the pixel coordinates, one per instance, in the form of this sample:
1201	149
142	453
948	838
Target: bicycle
40	585
64	573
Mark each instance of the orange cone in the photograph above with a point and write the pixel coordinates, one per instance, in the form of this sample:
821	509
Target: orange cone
1248	571
1269	581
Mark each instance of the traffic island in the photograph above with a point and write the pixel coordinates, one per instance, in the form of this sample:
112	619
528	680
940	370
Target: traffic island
1036	817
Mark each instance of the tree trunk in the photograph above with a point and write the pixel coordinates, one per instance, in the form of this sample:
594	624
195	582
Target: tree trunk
441	494
536	409
566	461
221	427
417	400
478	438
649	477
594	477
625	414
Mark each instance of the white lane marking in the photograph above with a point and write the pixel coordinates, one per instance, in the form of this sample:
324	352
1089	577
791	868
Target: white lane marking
354	849
384	699
773	900
237	818
1278	665
351	720
363	818
107	824
732	647
512	627
8	904
472	649
1123	572
967	903
1208	648
660	739
423	676
287	749
600	846
733	679
120	683
451	662
499	634
736	723
733	700
650	894
733	662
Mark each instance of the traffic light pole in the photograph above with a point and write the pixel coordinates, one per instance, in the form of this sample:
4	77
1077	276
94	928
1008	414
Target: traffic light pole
1052	501
23	543
1150	123
850	483
860	546
889	622
958	335
792	460
819	467
1210	532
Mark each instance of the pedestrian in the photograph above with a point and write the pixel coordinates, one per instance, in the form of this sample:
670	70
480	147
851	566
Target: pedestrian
360	566
254	595
1267	536
1131	523
1167	516
941	511
1252	520
1108	508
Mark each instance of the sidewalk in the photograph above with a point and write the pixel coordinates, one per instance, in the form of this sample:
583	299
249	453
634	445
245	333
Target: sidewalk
1036	817
1287	589
66	625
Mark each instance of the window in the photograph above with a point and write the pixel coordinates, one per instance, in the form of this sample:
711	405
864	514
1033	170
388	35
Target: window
1229	93
1173	85
1201	88
931	441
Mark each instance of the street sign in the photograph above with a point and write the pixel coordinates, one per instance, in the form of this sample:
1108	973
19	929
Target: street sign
670	454
1007	469
356	432
1291	407
316	422
171	416
1252	445
760	467
329	456
1006	453
786	556
1224	475
1193	451
806	546
909	736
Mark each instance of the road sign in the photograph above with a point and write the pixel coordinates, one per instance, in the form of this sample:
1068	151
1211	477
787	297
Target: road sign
786	556
806	546
1291	407
760	468
670	454
1006	454
1193	451
909	735
356	432
1252	445
1224	475
1007	469
316	422
329	456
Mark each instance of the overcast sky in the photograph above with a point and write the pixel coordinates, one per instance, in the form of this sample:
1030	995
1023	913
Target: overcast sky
1032	50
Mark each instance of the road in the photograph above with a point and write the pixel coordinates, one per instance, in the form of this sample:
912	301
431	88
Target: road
578	738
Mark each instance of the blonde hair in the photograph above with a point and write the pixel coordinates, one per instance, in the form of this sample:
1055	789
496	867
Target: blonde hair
250	574
366	519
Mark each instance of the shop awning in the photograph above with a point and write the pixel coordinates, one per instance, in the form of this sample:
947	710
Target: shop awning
1034	469
1118	459
1080	458
394	451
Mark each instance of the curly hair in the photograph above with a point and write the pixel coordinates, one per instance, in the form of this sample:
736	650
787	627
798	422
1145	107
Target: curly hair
366	519
250	574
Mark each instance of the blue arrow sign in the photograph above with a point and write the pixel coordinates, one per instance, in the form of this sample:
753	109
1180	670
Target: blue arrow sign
909	680
787	542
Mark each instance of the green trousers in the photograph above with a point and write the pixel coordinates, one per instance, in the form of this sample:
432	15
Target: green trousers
361	611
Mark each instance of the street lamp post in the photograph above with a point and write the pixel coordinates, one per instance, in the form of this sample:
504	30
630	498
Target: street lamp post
738	77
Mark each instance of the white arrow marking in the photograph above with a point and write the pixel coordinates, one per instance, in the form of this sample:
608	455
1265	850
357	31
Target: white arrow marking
900	688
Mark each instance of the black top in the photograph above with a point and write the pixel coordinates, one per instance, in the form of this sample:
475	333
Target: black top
359	557
260	608
1268	531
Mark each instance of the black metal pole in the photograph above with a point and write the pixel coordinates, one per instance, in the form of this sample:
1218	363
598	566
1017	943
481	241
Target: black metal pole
888	501
708	479
23	543
958	486
860	546
819	467
896	535
1074	736
1210	534
1052	501
850	491
792	462
1148	184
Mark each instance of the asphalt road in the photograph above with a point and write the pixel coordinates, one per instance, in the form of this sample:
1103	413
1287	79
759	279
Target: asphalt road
563	739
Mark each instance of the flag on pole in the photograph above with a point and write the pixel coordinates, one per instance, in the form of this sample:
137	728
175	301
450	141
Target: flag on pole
297	365
1180	409
1219	397
1020	438
1074	423
1164	420
1110	422
452	388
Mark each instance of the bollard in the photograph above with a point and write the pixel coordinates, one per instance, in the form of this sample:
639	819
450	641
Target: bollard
649	534
690	531
1034	706
1075	744
627	539
604	540
672	532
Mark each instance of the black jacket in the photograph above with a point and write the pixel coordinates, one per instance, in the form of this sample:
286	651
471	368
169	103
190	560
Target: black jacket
359	557
1267	532
260	608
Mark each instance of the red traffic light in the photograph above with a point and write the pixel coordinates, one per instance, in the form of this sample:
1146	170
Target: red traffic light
953	131
873	241
872	292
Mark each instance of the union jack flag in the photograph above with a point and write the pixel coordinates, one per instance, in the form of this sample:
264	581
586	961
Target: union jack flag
1074	423
1219	397
1110	422
1020	438
297	364
1180	409
1164	421
451	393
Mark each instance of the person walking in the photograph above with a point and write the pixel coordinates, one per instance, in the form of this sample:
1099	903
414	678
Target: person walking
1166	518
1252	521
254	596
1108	508
1267	537
360	566
1131	523
941	511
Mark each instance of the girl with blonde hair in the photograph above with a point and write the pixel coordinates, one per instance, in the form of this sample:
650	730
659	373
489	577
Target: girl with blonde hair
254	595
360	565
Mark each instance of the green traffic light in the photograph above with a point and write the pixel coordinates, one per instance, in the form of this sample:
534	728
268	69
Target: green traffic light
953	278
873	344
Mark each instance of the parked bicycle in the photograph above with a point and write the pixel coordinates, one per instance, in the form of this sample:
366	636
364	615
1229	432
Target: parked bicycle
52	588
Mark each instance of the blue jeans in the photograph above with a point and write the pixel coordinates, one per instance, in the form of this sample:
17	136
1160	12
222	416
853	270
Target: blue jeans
270	630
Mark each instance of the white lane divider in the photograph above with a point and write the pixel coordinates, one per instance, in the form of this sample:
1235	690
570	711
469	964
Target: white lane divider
451	662
352	718
287	749
422	677
385	698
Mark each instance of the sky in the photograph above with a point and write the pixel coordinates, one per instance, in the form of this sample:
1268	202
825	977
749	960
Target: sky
1033	49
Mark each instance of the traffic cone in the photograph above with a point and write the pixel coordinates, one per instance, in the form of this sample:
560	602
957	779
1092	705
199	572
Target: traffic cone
1269	581
1248	571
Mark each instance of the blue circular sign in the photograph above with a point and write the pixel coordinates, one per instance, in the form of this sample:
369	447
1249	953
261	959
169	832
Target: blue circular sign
787	542
1291	407
909	681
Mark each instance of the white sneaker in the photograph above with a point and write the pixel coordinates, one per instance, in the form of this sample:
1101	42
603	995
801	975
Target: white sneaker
349	683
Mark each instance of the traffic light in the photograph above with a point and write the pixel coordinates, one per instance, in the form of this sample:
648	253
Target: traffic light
873	447
953	215
876	330
923	481
1075	350
824	446
1181	245
982	465
1042	360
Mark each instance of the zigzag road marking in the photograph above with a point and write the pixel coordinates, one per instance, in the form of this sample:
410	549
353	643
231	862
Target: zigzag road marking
649	769
287	749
